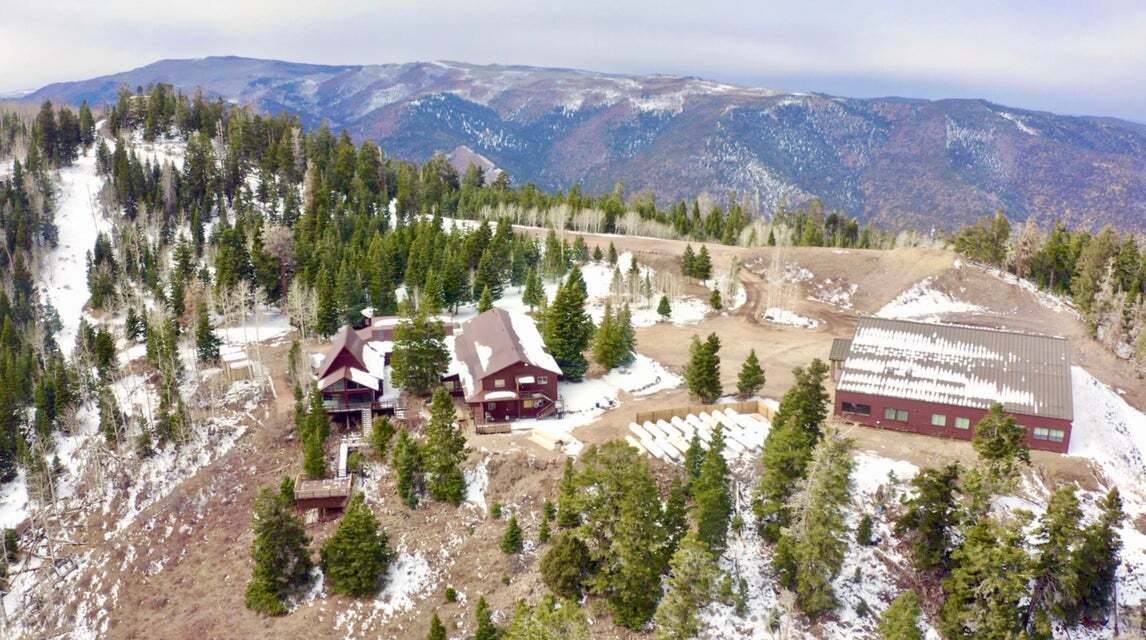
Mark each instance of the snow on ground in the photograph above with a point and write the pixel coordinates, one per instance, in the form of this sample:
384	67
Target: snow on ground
14	501
1112	433
78	221
585	401
171	148
778	315
409	577
1044	298
837	293
477	481
269	325
923	302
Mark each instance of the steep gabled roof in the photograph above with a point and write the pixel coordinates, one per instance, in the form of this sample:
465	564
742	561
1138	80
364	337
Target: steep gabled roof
963	366
495	340
345	340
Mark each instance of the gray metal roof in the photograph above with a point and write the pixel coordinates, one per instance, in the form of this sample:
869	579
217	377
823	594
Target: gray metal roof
840	349
963	366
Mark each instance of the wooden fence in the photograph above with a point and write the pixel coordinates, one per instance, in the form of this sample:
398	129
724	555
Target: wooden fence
747	406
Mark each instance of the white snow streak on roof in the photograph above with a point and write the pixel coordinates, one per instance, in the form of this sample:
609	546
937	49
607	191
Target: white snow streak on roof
530	340
363	378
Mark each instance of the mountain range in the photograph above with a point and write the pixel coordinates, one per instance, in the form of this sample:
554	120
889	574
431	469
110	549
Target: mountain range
898	162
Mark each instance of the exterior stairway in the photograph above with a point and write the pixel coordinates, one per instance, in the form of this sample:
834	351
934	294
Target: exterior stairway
367	422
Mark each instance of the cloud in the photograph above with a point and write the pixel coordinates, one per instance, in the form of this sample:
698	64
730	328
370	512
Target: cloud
1053	54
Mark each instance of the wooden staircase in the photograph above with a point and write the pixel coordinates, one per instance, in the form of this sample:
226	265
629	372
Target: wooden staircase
367	422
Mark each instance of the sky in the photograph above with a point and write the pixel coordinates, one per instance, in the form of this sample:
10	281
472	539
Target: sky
1085	57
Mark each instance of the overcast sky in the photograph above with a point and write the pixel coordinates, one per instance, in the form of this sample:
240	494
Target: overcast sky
1085	57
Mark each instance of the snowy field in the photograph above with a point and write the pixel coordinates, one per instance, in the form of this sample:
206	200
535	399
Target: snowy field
925	303
778	315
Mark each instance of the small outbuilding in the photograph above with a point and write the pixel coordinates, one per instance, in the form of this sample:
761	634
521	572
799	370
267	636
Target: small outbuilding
939	379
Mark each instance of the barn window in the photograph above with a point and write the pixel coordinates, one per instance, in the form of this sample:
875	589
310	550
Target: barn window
1057	435
1042	433
962	423
901	415
858	409
938	420
889	413
499	383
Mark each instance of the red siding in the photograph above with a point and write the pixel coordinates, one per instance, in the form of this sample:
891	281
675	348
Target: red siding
503	410
919	419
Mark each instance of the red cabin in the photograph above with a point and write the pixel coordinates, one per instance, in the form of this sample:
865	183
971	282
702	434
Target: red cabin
501	368
940	380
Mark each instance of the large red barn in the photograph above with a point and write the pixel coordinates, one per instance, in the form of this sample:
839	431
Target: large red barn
940	380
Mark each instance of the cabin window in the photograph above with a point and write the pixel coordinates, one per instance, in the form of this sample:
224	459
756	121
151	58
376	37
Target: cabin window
450	385
542	379
858	409
962	423
1057	435
938	420
1042	433
1054	435
529	403
499	383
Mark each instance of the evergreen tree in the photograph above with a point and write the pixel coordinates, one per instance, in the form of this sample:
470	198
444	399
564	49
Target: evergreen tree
567	328
549	620
715	301
420	356
282	563
437	630
381	433
407	465
486	629
986	590
1054	590
810	551
608	341
751	378
702	267
512	540
693	584
702	374
534	294
566	565
567	515
206	342
900	621
712	497
355	558
1000	442
445	451
628	335
1097	557
693	460
612	253
597	254
664	310
485	302
930	516
314	457
543	531
688	262
489	275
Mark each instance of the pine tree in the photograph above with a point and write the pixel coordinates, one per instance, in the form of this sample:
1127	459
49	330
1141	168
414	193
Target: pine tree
712	497
445	451
534	293
702	374
608	341
751	378
356	557
407	465
1097	557
628	335
485	302
420	356
612	253
688	262
1000	442
930	517
512	540
549	620
489	275
486	629
597	254
437	630
543	531
567	515
810	551
282	563
206	342
702	267
864	530
567	329
715	301
664	310
381	434
314	460
565	566
693	459
1054	591
986	590
693	584
900	621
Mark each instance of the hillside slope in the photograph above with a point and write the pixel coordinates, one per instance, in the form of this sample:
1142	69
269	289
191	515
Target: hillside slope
896	161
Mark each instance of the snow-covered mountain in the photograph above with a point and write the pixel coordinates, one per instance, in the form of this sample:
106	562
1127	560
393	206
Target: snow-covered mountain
897	161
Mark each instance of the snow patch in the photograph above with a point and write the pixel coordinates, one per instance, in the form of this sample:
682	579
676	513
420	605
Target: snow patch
923	302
